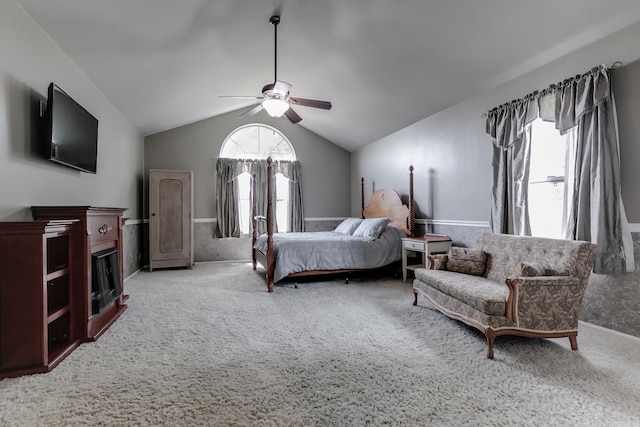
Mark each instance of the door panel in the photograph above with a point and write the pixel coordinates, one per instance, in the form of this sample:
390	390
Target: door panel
170	219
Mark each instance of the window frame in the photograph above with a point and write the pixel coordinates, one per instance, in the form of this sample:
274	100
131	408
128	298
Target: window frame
259	155
289	155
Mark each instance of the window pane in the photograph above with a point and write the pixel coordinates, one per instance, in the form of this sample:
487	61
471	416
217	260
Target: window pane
545	209
244	195
548	150
546	179
257	141
282	203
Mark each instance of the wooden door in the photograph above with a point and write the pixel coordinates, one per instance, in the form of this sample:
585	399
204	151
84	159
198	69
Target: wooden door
170	222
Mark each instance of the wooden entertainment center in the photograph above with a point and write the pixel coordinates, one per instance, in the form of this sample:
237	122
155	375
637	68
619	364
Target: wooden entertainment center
61	284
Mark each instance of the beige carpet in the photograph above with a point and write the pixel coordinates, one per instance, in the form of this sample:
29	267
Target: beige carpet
211	347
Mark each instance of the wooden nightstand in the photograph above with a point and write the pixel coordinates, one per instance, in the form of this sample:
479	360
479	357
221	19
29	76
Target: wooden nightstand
427	244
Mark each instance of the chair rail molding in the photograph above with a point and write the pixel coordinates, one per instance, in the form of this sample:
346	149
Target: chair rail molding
459	223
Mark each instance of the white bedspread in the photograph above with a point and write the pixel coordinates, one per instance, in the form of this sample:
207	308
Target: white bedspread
326	250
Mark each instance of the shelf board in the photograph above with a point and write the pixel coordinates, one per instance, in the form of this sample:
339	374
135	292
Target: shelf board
58	313
58	273
59	351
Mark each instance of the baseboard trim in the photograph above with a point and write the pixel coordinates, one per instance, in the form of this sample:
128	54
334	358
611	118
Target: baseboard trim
132	274
611	331
205	220
244	261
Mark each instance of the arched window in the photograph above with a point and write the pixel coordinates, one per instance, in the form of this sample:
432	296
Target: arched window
257	142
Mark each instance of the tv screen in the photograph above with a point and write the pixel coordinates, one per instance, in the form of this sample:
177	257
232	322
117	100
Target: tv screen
71	132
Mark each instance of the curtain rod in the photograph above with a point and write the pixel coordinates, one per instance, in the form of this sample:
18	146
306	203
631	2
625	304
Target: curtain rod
614	66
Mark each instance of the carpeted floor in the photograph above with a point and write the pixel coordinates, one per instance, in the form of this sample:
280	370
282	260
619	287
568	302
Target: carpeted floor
211	347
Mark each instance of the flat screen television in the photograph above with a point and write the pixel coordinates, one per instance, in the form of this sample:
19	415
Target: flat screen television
71	132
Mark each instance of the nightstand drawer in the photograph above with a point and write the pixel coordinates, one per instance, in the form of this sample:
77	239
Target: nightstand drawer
414	246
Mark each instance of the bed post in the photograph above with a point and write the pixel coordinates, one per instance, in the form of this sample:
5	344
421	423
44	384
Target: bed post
270	254
412	208
362	197
254	219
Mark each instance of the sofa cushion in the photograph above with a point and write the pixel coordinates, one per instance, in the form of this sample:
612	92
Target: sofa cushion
464	310
467	260
533	269
484	295
437	261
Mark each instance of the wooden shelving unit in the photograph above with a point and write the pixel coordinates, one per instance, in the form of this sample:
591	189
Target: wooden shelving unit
51	299
100	229
41	290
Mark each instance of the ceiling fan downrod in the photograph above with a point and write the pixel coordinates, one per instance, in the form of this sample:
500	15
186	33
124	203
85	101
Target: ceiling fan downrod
275	20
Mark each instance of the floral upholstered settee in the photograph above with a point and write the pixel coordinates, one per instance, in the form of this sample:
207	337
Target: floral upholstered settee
511	285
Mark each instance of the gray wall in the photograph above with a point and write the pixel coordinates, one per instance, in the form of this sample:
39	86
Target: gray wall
325	166
452	153
29	61
452	157
325	173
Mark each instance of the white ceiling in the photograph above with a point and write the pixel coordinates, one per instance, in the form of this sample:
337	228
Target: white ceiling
383	64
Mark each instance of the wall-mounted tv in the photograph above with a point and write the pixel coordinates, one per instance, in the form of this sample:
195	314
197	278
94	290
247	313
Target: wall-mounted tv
71	132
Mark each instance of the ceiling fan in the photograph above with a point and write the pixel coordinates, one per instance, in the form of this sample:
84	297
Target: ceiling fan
275	96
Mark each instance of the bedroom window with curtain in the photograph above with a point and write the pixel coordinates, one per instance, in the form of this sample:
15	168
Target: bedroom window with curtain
243	154
582	107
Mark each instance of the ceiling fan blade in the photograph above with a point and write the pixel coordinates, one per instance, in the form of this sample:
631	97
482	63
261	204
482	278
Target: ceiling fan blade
281	87
240	97
292	116
256	109
325	105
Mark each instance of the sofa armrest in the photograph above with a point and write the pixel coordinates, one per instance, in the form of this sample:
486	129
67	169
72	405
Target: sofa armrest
546	303
437	262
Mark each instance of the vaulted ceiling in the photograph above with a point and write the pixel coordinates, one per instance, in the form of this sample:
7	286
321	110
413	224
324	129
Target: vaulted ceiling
383	64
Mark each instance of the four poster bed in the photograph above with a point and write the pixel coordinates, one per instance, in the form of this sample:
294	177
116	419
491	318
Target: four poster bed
373	241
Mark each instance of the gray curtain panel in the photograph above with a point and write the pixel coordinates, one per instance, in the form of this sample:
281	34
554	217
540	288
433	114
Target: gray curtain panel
594	213
292	170
227	210
511	160
594	210
228	222
259	168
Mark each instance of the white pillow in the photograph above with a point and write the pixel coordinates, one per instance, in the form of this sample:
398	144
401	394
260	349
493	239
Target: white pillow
371	227
348	226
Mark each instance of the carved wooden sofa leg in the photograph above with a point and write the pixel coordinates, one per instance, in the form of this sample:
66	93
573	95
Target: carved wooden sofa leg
270	285
415	298
574	342
491	337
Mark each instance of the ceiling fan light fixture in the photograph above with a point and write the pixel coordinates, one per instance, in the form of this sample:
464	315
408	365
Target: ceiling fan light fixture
275	107
275	96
